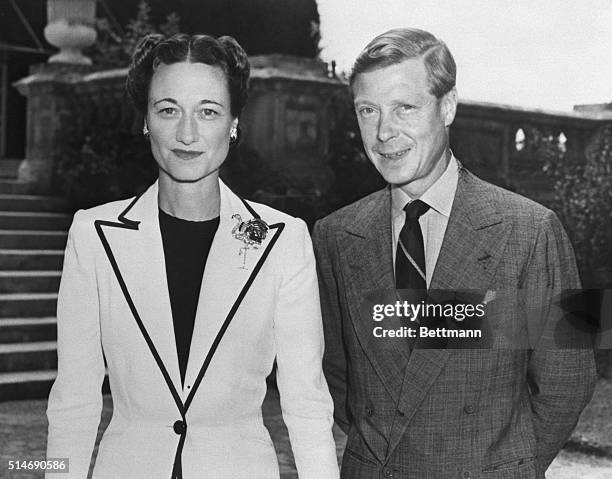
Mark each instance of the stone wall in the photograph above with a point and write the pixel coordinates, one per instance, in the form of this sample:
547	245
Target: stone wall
484	137
286	119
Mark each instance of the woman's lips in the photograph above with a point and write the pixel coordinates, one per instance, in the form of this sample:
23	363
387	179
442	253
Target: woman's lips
187	154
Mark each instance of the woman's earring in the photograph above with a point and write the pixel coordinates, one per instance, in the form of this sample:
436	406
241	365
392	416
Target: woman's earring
233	134
145	130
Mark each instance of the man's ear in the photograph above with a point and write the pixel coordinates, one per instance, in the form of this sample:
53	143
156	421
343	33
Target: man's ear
449	106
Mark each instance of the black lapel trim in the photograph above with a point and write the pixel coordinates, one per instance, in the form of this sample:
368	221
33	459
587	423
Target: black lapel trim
133	225
126	221
213	348
252	211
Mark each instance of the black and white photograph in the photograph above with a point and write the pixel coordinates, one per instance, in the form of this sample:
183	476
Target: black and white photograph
305	239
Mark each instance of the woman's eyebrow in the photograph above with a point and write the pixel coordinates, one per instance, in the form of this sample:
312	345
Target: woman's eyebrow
201	102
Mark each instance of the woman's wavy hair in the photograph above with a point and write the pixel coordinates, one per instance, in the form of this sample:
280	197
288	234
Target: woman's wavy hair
155	49
400	44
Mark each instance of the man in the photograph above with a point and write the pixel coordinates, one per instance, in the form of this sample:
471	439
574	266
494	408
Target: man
440	413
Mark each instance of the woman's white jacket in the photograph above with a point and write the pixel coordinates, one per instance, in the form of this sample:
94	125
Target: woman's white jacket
114	305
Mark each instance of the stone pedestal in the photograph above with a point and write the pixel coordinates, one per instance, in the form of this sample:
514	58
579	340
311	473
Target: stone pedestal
51	109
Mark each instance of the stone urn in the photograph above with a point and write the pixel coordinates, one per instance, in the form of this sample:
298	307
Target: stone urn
70	27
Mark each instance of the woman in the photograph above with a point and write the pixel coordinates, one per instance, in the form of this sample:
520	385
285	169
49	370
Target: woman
189	293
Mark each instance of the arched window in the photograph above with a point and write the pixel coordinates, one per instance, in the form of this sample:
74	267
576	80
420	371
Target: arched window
519	139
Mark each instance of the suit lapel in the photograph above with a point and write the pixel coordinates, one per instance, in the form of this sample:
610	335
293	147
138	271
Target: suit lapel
365	248
473	244
134	247
225	275
227	279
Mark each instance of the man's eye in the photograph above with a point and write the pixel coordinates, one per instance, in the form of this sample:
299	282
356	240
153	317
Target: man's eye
366	111
407	109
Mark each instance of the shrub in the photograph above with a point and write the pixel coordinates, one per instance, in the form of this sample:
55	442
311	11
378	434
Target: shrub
583	199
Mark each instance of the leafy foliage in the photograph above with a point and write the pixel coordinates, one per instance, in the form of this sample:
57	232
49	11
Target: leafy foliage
109	163
583	193
114	46
355	176
260	26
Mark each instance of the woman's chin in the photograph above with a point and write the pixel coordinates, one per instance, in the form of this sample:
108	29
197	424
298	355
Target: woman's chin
186	176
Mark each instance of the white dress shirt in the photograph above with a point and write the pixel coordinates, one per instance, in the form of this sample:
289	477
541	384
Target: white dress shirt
433	222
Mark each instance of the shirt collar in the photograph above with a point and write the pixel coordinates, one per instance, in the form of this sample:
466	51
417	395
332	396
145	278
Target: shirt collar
438	196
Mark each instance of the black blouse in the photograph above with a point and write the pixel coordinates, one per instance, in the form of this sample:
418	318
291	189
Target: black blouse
186	247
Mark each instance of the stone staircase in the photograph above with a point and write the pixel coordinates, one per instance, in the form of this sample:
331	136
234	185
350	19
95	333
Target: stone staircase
33	232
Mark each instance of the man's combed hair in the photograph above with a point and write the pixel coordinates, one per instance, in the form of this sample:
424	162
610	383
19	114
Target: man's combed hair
155	49
400	44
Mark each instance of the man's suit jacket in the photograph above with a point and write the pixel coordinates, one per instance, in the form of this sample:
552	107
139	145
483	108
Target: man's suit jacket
442	413
114	305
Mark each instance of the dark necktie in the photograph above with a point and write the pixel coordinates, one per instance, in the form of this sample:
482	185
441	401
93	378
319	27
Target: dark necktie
410	253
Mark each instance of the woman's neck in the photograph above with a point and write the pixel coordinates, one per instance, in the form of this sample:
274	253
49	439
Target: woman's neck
197	201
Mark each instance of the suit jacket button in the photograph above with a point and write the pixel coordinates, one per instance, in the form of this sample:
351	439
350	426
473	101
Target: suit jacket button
387	472
467	475
400	413
180	427
469	409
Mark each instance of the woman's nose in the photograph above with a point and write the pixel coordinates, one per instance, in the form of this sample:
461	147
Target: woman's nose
187	130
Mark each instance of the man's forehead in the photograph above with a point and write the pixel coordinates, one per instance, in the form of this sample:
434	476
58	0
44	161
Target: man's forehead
408	77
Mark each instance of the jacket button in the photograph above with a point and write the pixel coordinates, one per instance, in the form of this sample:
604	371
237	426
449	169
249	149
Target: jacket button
387	472
469	409
467	475
180	427
369	411
400	413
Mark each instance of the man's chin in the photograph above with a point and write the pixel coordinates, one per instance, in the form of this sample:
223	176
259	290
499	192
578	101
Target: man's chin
397	179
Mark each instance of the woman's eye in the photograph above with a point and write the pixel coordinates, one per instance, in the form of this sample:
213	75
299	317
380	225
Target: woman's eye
168	112
208	113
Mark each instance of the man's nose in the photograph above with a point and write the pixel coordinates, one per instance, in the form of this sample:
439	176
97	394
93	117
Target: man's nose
387	128
187	130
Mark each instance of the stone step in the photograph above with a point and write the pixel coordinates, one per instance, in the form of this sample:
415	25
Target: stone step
29	281
15	357
17	202
11	187
28	220
28	305
32	239
31	385
9	168
31	259
23	330
26	385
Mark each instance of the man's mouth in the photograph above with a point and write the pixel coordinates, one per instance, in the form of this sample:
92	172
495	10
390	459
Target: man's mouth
187	154
394	155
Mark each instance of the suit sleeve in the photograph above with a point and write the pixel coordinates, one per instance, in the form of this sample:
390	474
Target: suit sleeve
306	404
334	360
75	402
561	377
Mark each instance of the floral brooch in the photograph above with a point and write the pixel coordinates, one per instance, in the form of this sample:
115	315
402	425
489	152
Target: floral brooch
252	233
